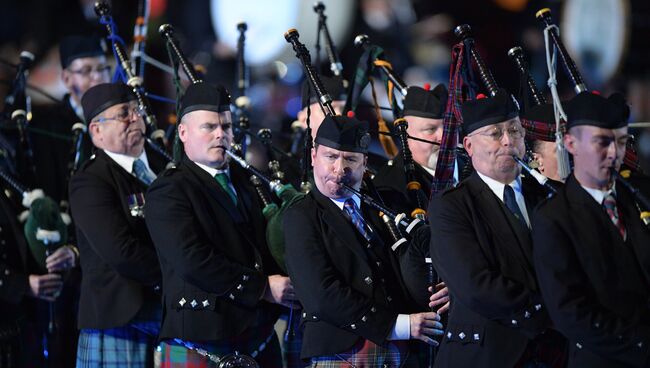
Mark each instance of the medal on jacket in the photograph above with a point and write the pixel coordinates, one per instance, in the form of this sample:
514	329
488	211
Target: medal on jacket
136	204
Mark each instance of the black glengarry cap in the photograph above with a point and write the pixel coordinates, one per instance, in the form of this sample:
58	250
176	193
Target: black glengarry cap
344	133
103	96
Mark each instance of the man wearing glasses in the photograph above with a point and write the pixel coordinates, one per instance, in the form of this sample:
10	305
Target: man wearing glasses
83	66
119	312
482	248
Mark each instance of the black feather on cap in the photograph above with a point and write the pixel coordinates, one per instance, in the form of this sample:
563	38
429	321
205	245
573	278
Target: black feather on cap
333	86
485	111
103	96
588	108
204	96
75	47
344	134
424	103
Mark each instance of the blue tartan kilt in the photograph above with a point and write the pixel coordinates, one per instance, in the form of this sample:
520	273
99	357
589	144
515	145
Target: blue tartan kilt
116	347
366	354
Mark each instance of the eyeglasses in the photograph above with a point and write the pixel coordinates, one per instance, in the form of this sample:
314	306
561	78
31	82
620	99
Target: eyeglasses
123	116
88	70
496	133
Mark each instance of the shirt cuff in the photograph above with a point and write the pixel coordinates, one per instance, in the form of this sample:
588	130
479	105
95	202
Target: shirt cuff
402	328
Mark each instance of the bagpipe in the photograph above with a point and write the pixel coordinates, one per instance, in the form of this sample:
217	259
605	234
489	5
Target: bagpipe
286	193
336	67
272	213
79	129
155	136
551	32
402	229
516	54
464	33
242	102
45	230
374	54
552	39
15	116
371	59
642	201
398	222
324	101
45	225
413	187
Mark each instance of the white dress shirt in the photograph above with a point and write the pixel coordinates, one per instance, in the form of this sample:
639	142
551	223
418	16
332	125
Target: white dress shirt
497	188
126	162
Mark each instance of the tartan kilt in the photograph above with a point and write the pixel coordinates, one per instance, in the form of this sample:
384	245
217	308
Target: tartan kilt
292	342
262	344
367	354
115	347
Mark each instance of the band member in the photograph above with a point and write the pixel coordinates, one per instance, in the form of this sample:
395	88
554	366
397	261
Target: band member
119	311
19	282
591	248
355	310
423	110
539	122
83	65
221	288
482	248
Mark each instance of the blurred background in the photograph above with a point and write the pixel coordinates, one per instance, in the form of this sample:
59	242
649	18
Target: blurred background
607	38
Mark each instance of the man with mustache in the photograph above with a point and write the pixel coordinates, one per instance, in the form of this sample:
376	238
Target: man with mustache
119	311
482	248
355	310
222	290
591	247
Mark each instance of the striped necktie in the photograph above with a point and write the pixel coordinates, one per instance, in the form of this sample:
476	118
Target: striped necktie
609	204
141	172
357	220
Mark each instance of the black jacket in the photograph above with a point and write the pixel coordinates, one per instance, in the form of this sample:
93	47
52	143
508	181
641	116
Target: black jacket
118	261
345	293
14	265
213	254
51	141
390	182
484	254
596	286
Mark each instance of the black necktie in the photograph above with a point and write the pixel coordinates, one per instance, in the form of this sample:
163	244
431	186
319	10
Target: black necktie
511	202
